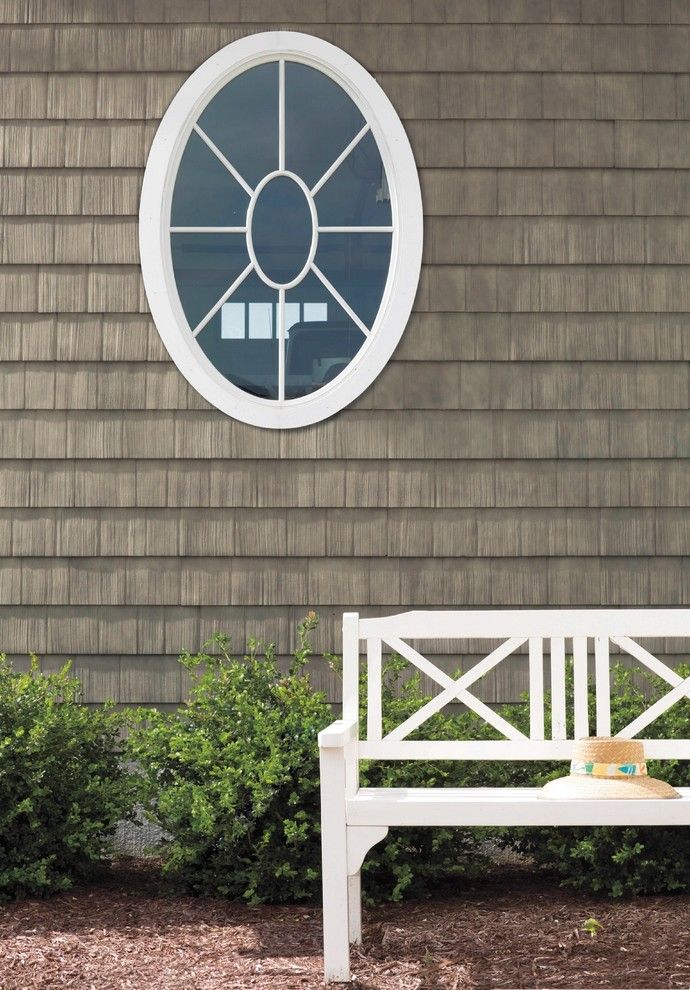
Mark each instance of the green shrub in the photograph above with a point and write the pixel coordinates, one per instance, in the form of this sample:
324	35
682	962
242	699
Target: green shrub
618	861
232	777
62	786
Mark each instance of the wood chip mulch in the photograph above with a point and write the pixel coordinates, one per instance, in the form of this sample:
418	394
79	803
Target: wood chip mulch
512	931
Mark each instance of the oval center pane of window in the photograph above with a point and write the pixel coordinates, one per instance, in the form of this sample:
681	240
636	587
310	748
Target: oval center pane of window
282	230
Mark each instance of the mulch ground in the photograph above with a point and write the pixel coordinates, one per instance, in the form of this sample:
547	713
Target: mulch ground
513	931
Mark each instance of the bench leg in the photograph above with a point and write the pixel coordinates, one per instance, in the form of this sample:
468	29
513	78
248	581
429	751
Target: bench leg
354	901
336	947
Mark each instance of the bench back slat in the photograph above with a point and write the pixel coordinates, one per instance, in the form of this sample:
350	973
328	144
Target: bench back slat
536	687
558	727
374	689
602	678
560	631
482	624
580	703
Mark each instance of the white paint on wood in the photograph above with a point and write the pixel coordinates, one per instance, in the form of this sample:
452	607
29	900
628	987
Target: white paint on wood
602	675
580	687
453	689
499	624
536	687
558	688
351	634
354	907
336	948
359	842
501	749
466	806
374	714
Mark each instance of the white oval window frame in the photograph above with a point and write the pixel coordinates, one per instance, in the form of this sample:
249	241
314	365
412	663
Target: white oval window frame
154	229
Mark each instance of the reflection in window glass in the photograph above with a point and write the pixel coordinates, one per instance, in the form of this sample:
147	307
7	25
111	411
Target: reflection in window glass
315	311
320	121
260	323
357	193
242	121
248	359
218	200
292	316
205	266
357	266
281	229
232	321
318	350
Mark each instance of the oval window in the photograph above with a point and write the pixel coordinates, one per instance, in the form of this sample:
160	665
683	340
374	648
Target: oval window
280	229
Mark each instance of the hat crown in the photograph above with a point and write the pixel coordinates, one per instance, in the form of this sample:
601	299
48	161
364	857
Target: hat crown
599	749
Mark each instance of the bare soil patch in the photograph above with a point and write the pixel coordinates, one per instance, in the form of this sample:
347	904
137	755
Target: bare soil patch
123	931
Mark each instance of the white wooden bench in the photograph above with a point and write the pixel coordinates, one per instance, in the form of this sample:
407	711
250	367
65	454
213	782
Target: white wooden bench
354	818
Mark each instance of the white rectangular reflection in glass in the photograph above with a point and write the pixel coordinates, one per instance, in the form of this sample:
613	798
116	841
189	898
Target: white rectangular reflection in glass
232	321
315	312
260	320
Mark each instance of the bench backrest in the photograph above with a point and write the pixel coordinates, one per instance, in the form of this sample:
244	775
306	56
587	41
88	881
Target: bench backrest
558	632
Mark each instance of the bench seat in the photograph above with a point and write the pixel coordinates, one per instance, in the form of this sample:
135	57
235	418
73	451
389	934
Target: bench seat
505	806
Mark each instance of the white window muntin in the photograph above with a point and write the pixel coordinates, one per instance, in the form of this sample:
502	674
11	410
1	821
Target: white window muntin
154	229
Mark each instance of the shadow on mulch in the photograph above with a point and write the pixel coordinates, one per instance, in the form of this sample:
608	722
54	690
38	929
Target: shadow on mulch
121	930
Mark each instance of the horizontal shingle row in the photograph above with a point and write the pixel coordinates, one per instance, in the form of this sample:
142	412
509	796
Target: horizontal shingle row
442	484
389	582
143	95
446	192
442	289
408	47
444	384
437	144
353	483
448	240
355	433
548	143
377	11
84	337
338	532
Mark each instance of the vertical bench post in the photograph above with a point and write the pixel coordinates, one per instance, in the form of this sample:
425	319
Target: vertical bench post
336	947
339	779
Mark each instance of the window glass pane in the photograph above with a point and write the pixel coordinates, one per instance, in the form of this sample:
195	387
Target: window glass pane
205	266
281	229
357	193
242	121
250	361
206	194
320	121
317	350
357	266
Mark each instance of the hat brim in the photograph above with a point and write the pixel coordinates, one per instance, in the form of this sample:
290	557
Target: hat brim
585	787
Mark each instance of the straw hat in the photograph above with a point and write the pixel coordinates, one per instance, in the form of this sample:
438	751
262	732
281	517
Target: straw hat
608	768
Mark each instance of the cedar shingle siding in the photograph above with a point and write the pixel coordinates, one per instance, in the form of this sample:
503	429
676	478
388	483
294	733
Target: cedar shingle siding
528	444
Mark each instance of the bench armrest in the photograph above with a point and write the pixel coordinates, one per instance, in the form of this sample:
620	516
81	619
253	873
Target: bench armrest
338	734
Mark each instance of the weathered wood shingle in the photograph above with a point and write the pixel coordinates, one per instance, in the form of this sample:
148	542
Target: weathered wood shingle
529	442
